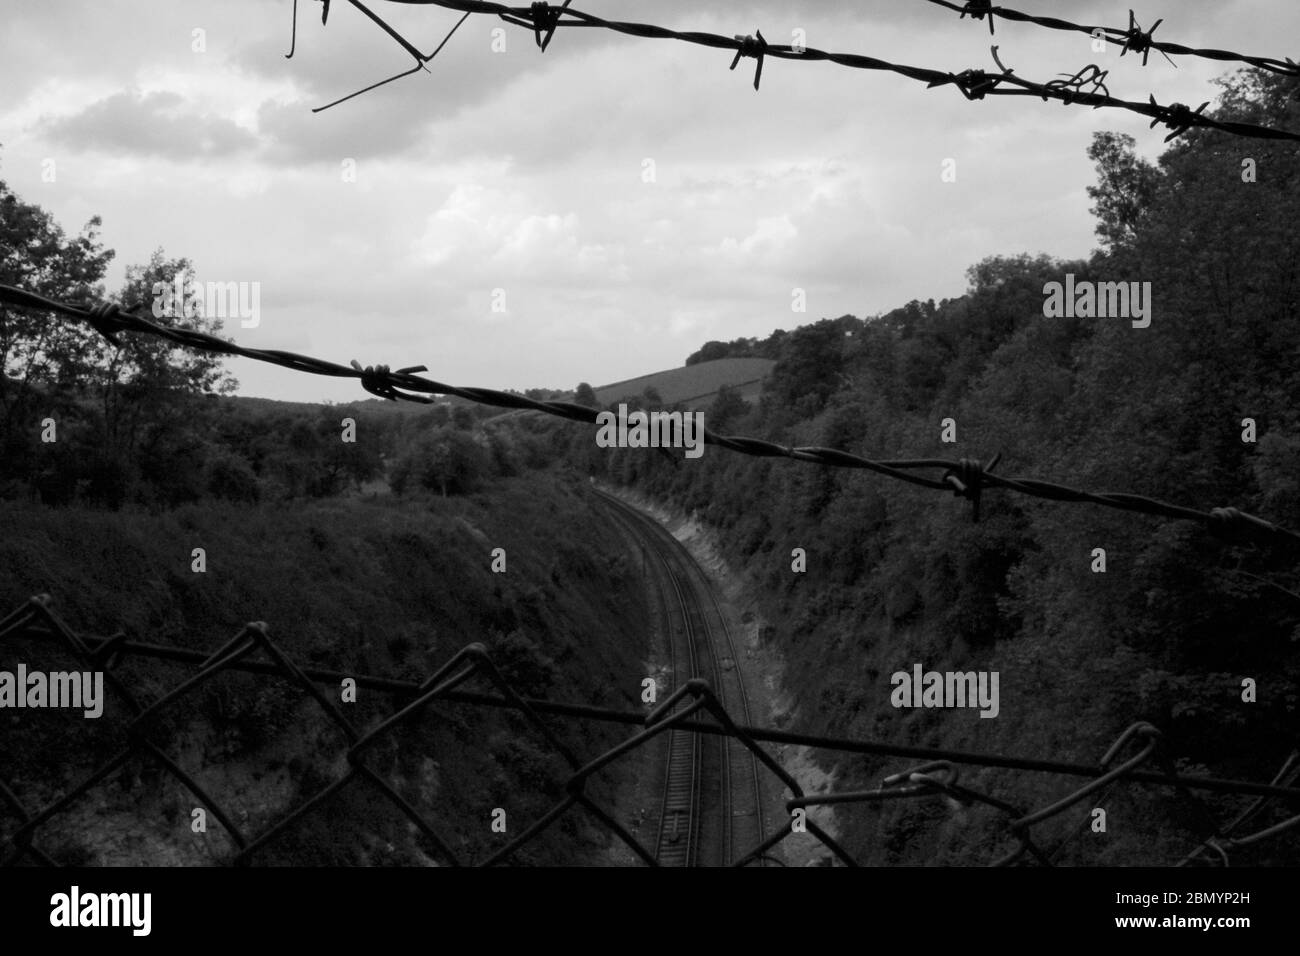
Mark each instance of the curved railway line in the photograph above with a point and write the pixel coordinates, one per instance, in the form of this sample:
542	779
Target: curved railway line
711	810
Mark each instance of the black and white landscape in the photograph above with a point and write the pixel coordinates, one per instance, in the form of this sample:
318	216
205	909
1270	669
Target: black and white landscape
568	454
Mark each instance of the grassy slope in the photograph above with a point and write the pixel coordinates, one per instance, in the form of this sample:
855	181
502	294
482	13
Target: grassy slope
694	385
377	587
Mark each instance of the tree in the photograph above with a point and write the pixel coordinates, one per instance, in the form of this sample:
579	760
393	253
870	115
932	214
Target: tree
146	390
586	395
446	460
41	354
727	406
810	365
1125	188
345	464
462	416
145	373
709	352
230	476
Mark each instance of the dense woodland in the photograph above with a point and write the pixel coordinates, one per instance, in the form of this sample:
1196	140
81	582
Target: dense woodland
899	574
896	574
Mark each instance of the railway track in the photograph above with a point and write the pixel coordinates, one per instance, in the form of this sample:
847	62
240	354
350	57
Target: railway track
711	810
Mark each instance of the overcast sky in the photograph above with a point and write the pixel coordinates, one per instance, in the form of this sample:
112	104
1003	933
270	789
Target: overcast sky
524	172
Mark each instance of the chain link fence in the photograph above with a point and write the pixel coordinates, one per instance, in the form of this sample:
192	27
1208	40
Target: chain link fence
1138	756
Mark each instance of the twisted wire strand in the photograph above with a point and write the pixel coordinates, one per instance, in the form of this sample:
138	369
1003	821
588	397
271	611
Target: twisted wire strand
1131	38
543	20
965	478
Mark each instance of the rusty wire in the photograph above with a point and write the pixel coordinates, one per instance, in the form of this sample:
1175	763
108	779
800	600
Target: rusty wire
35	622
966	478
543	19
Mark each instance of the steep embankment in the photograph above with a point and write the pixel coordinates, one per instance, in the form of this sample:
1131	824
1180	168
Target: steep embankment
835	635
368	587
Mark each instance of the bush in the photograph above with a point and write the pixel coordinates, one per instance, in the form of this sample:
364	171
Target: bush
231	477
446	460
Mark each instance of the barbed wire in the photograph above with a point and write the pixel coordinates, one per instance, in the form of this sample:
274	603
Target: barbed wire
543	19
1131	38
965	478
35	622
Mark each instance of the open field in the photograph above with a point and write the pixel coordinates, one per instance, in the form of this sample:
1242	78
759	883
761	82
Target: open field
695	385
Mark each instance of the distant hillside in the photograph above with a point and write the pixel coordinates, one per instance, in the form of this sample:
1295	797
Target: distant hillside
274	406
375	405
695	385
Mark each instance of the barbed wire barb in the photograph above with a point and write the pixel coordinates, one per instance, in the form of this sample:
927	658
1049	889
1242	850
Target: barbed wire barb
1142	41
752	46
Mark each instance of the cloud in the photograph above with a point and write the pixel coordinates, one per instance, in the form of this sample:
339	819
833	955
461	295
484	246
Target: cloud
498	237
155	124
292	135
